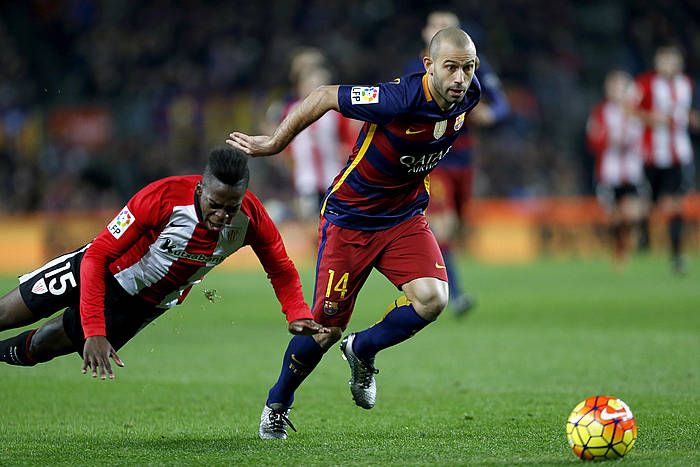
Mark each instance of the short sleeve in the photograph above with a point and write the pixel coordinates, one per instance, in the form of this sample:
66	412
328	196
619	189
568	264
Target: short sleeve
375	104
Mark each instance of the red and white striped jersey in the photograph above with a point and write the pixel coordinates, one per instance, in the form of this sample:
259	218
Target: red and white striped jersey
318	152
615	137
157	248
668	143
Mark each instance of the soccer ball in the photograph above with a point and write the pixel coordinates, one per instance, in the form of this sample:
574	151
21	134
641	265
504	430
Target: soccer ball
601	427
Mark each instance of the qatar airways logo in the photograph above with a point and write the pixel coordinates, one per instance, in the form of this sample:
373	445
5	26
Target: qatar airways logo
423	163
170	248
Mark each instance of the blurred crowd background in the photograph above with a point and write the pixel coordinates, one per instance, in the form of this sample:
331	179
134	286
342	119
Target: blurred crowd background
99	97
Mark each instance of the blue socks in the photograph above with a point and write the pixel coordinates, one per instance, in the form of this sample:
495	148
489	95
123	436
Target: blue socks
301	357
400	323
303	353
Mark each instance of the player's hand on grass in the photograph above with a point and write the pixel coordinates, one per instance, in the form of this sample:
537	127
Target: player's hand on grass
307	327
254	146
96	354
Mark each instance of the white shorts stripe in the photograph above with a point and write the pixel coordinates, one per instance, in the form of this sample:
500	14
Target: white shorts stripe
25	277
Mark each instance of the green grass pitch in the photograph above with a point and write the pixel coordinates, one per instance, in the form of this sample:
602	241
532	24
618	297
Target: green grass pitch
494	387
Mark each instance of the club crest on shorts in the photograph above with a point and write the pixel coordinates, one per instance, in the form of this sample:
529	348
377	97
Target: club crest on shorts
439	129
459	121
39	287
330	307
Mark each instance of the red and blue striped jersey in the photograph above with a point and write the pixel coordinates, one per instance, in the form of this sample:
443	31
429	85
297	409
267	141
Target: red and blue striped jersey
492	93
405	135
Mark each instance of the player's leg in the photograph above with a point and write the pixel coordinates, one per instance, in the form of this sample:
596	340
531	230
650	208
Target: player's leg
444	221
450	190
41	293
37	345
608	197
413	262
630	211
425	298
672	206
617	228
342	267
14	312
671	203
461	300
650	191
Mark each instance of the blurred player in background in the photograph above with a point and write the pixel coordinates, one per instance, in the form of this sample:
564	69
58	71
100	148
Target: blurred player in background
166	238
614	137
373	213
451	182
317	152
664	105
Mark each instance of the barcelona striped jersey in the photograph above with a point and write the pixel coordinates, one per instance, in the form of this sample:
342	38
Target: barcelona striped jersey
405	135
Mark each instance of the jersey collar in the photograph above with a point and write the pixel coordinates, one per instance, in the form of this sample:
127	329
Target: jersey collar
426	90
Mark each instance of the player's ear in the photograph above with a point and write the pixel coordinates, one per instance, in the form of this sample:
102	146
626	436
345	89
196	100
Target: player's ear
198	188
428	65
477	62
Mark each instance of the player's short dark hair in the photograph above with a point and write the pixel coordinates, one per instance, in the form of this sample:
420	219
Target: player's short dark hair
228	165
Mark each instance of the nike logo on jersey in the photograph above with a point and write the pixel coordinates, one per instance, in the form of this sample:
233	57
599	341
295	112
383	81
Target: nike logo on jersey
605	415
413	132
439	266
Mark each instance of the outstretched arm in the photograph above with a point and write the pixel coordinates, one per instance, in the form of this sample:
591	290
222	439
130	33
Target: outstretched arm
312	108
132	222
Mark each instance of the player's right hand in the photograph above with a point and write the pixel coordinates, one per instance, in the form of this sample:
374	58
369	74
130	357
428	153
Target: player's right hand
307	327
96	354
254	146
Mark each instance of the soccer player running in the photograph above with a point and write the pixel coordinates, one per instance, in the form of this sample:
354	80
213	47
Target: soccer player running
664	104
166	238
373	213
452	180
614	136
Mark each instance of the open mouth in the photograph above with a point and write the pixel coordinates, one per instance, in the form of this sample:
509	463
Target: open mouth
456	92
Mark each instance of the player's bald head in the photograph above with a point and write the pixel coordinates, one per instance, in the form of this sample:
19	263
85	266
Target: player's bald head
450	66
450	37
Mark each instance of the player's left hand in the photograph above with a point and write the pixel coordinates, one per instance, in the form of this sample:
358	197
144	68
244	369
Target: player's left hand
254	146
96	354
307	327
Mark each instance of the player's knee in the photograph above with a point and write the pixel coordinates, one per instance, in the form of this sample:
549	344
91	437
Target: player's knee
431	303
39	346
327	340
49	341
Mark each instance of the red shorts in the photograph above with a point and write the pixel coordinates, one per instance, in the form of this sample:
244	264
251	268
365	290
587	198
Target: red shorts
450	190
346	257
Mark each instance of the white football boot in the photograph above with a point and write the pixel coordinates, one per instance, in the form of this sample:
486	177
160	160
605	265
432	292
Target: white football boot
362	384
274	421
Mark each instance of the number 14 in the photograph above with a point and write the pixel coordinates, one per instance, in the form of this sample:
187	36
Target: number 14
340	286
